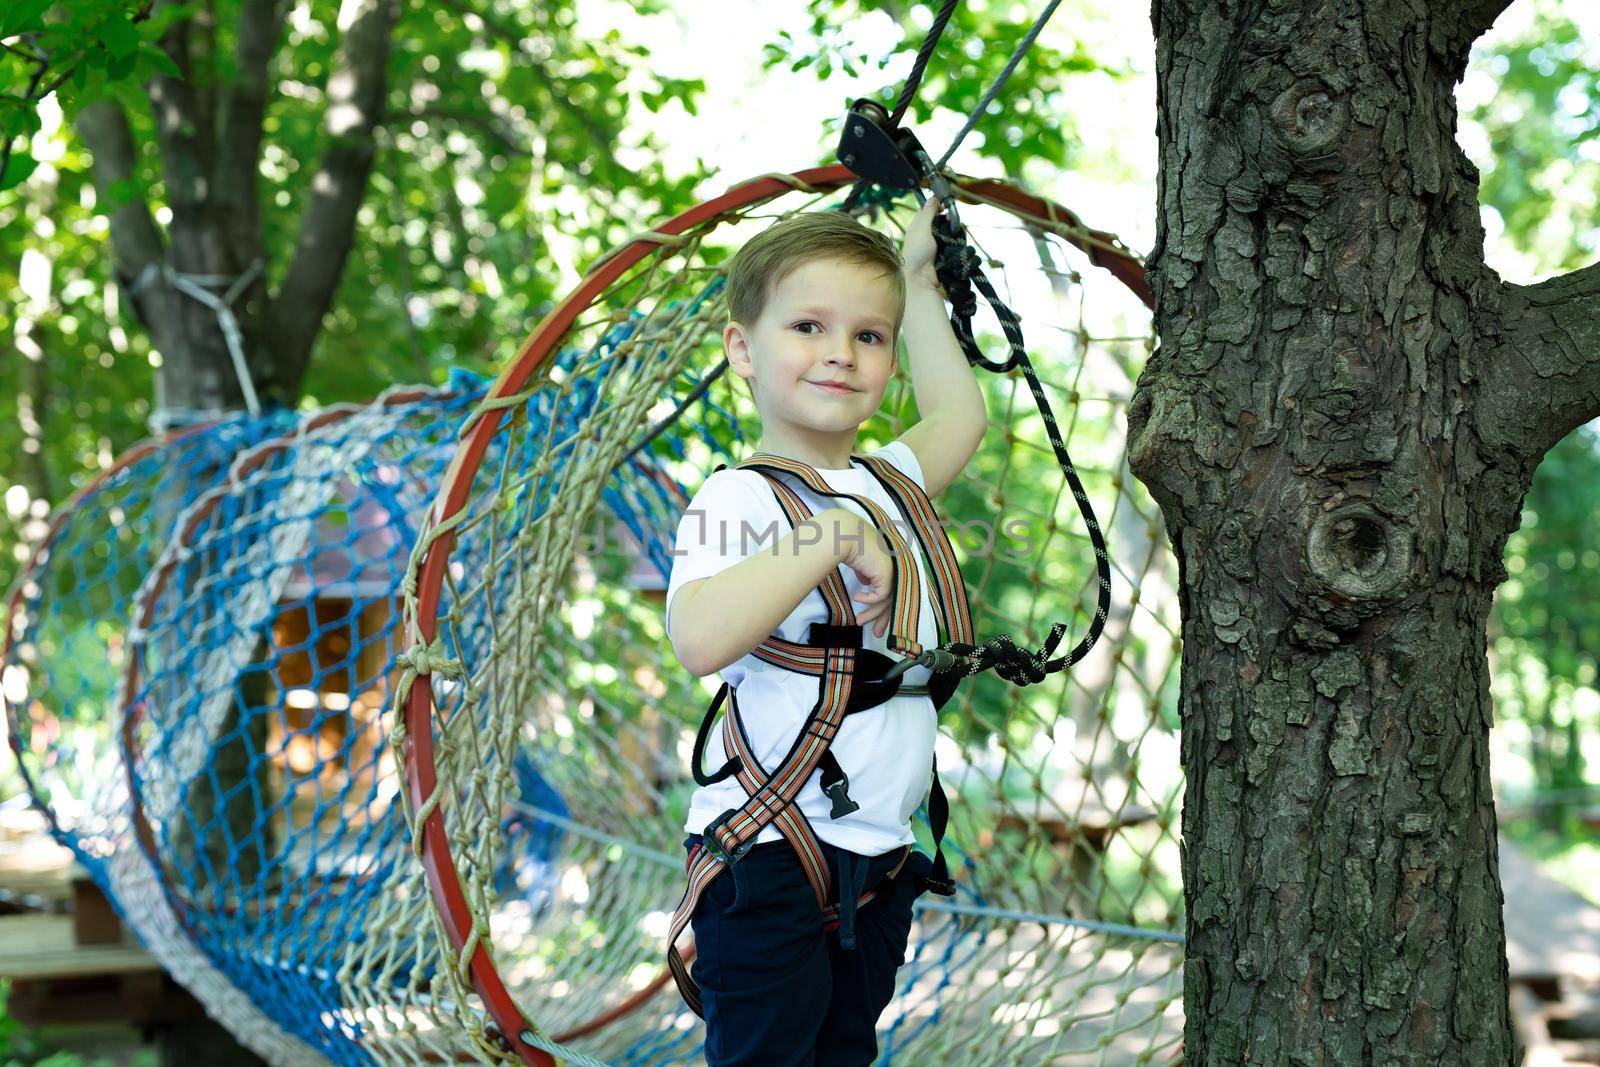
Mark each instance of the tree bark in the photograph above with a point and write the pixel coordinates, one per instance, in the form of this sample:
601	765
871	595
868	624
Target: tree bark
356	90
1341	422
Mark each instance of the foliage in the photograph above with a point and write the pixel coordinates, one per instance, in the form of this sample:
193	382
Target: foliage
1542	133
498	123
20	1047
1028	130
75	51
1547	633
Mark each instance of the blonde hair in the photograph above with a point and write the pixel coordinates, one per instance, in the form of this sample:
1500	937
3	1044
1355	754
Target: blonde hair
769	256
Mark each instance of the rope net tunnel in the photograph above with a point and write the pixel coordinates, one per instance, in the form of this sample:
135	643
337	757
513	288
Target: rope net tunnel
241	602
539	645
197	662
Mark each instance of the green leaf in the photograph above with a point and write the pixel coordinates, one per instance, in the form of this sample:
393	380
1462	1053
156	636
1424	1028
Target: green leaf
21	16
22	122
17	170
120	67
119	35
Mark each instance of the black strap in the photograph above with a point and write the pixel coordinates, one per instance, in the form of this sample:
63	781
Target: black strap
938	879
697	760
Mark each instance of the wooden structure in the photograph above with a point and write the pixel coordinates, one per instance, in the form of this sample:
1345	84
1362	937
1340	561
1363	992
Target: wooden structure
1553	949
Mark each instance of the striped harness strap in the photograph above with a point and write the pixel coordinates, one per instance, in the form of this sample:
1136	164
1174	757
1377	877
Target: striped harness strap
850	680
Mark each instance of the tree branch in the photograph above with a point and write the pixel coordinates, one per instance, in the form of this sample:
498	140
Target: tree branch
1476	16
496	129
1546	381
356	91
236	177
135	241
185	151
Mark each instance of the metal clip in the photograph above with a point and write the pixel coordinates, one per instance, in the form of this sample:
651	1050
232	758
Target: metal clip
713	845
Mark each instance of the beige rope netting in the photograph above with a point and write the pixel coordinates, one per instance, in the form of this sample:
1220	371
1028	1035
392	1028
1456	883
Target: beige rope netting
545	726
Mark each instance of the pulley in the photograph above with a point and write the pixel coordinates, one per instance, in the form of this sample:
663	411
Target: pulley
878	151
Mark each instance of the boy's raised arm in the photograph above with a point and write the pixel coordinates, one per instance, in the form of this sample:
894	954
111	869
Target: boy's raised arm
718	619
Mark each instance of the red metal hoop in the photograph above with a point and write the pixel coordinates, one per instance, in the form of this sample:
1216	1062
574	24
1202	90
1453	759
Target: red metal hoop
421	768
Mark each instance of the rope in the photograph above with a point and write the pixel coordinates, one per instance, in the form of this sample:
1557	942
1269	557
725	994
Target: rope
191	285
959	268
852	202
921	65
994	89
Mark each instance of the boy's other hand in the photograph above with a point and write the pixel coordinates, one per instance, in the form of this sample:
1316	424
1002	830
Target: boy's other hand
867	554
919	248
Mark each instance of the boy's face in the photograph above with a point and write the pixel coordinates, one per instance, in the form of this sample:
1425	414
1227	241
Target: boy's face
828	320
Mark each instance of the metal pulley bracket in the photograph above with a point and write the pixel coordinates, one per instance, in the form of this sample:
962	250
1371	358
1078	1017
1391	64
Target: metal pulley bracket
878	152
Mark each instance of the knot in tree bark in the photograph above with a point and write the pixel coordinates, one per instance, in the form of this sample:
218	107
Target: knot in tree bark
1359	553
1308	117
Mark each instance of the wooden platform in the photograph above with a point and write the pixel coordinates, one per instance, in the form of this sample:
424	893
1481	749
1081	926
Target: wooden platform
35	872
1553	948
1552	933
37	947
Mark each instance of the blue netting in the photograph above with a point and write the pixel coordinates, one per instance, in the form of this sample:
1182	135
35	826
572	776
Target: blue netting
69	623
257	758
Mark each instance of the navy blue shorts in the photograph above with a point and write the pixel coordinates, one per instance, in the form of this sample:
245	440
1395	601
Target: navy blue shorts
778	990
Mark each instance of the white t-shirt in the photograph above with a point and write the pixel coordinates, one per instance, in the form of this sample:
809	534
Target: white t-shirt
886	751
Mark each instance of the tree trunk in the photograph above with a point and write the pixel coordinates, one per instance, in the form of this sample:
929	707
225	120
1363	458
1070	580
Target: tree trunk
1340	425
210	137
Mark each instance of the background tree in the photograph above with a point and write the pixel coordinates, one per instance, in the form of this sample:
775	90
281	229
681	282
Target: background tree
385	185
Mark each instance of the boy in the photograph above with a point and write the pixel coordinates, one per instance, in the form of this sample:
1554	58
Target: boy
816	302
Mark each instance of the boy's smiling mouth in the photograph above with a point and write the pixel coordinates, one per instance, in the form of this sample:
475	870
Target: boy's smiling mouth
833	387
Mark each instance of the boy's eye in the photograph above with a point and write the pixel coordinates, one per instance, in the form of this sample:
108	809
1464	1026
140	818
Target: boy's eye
873	334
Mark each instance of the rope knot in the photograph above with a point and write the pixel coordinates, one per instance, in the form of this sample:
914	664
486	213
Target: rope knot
431	659
1016	665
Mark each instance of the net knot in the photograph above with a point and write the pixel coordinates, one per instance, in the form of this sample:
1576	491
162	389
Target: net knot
431	659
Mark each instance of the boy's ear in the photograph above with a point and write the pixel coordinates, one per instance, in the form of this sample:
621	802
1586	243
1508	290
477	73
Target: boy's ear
736	346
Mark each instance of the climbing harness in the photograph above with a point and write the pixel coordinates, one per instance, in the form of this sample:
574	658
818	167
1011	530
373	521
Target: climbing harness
851	679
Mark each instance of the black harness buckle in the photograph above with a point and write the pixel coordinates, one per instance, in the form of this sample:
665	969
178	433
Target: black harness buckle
713	845
838	792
